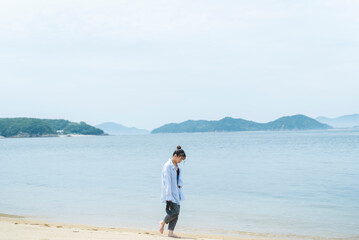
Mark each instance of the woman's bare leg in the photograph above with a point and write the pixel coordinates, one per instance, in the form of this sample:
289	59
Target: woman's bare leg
162	226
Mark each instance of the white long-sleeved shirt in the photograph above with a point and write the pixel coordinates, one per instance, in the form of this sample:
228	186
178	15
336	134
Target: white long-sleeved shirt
170	189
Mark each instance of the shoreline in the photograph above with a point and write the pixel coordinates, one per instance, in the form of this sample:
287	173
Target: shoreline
20	227
13	227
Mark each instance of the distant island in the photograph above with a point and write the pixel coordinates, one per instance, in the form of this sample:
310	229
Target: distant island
228	124
346	121
118	129
34	127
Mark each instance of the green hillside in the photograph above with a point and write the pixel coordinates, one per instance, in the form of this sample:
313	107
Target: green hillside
296	122
34	127
24	127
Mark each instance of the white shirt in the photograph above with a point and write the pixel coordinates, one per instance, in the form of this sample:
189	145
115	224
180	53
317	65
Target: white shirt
170	189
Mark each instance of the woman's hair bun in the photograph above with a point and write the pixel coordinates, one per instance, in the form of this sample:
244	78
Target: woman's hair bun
179	152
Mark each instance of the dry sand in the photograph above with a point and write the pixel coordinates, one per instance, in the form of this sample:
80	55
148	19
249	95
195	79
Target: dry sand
20	228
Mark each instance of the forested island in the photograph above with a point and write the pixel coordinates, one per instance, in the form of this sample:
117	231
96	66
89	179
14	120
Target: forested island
228	124
34	127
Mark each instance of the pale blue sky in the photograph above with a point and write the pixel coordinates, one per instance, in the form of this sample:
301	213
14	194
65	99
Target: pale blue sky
147	63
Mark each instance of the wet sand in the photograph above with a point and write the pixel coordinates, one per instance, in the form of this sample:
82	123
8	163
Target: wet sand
18	228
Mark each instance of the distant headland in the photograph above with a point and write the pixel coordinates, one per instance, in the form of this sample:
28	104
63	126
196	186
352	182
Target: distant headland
119	129
228	124
346	121
34	127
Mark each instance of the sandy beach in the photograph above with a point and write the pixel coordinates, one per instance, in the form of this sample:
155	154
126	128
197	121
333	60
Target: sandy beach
19	228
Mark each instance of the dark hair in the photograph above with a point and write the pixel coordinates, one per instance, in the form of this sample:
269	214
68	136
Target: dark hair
179	152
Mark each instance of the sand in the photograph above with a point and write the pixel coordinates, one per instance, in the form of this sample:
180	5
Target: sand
20	228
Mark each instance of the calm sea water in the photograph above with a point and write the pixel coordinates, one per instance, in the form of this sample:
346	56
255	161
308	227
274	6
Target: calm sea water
299	183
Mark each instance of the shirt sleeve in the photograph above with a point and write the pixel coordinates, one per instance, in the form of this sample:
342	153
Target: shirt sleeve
167	183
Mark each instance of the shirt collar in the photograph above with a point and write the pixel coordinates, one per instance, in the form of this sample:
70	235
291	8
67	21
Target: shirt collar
172	165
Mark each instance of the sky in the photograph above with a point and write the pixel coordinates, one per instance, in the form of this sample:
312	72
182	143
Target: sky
148	63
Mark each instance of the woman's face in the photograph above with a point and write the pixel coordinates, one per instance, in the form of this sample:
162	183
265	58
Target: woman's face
180	159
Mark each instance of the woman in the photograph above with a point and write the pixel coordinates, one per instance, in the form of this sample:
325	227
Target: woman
172	190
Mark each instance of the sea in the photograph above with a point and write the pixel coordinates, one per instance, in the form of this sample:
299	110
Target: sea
293	184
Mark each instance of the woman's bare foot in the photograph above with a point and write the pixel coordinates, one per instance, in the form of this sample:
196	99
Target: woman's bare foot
171	234
162	226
